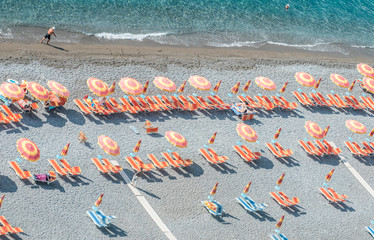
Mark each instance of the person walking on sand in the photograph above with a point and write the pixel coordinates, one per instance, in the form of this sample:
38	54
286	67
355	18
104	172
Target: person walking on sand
48	35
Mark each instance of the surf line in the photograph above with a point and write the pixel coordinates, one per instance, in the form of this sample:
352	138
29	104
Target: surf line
355	173
148	208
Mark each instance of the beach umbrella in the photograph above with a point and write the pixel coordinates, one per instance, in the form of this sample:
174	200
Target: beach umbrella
38	91
305	79
314	130
99	200
352	85
1	200
355	126
325	131
211	140
329	175
131	86
371	133
369	84
276	135
199	82
58	89
165	84
145	86
280	180
64	151
137	146
112	87
339	80
246	86
318	83
283	87
28	149
235	88
181	88
176	139
98	87
214	189
365	70
246	189
246	132
279	223
108	145
215	89
265	83
12	91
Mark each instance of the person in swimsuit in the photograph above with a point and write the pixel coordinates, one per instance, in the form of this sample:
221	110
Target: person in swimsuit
287	6
48	35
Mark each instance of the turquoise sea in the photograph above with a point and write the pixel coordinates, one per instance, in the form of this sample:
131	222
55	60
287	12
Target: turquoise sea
320	25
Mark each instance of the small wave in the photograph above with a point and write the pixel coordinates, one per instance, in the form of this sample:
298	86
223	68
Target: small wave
237	44
357	46
7	33
128	36
318	47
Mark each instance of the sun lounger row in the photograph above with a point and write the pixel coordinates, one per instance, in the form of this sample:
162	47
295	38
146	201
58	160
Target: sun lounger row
246	154
135	105
357	150
263	102
8	116
278	151
321	148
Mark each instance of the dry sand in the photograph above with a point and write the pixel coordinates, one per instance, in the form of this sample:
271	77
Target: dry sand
58	211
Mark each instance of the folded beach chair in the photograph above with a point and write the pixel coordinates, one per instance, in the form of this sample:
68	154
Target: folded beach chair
279	200
157	163
151	129
13	116
250	205
7	227
170	160
21	174
213	207
72	170
181	161
57	167
100	219
130	108
99	165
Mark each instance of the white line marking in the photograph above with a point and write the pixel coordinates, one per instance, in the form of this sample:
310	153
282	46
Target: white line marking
148	208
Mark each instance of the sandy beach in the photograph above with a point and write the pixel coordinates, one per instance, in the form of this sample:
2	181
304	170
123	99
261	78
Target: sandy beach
57	211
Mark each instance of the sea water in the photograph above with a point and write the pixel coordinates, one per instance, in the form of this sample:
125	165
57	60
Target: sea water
320	25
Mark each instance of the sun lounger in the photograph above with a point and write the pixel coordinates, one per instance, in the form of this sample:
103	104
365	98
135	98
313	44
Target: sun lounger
158	103
359	104
327	195
143	104
213	207
322	147
316	100
334	101
207	156
168	103
136	104
81	106
242	154
360	150
215	103
352	104
95	107
155	106
220	101
331	149
300	98
307	99
245	101
254	155
368	148
367	103
324	100
245	204
307	149
339	197
274	151
109	166
314	148
99	165
134	164
178	104
216	157
190	106
278	236
99	218
352	149
170	160
130	108
340	101
13	116
252	103
21	174
293	201
283	151
195	101
263	103
287	104
277	102
110	107
7	227
72	170
279	200
370	230
145	167
119	107
57	167
205	103
250	205
157	163
5	119
151	129
269	103
181	161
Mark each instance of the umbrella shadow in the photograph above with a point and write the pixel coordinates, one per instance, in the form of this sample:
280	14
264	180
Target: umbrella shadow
7	184
74	116
55	120
113	231
32	120
195	169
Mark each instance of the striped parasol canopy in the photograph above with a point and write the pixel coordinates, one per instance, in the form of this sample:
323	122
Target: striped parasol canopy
64	151
199	82
280	180
108	145
99	200
181	88
131	86
246	132
137	146
371	133
246	86
58	89
352	85
12	91
369	84
355	126
279	223
211	140
305	79
1	200
246	188
339	80
276	135
215	89
318	83
329	175
283	87
235	88
28	149
365	70
38	91
165	84
265	83
145	86
112	87
214	189
176	139
98	87
314	130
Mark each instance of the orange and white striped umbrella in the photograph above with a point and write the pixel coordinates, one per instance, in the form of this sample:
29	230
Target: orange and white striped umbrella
365	70
165	84
314	130
215	89
99	200
283	87
64	151
305	79
145	86
246	86
318	83
369	84
98	87
1	200
58	89
280	180
181	88
325	131
339	80
246	189
137	146
112	87
279	223
235	88
108	145
176	139
211	140
329	175
276	135
12	91
38	91
355	126
199	82
352	85
28	149
246	132
131	86
265	83
214	189
371	133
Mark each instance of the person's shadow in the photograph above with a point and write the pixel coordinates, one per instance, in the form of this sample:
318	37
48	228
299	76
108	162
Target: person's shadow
59	48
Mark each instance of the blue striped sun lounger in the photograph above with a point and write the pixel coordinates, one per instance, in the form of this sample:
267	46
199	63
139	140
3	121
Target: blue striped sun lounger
245	204
99	218
256	206
371	231
278	236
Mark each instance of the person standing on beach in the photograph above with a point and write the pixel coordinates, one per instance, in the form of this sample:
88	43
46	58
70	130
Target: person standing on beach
48	35
287	6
